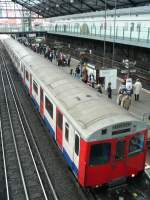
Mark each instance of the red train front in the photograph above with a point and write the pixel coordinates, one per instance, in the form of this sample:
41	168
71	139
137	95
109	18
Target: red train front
118	152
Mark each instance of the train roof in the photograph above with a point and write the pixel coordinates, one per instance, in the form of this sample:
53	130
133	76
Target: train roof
88	110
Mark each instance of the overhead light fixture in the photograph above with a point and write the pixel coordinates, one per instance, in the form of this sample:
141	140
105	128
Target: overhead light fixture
57	5
71	1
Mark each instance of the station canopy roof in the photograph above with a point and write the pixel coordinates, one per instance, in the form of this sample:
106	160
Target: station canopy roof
53	8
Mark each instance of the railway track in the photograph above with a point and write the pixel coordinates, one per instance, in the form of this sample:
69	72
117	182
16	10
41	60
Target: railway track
25	174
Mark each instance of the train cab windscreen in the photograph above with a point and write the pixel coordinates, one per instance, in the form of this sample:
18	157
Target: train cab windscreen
136	144
100	154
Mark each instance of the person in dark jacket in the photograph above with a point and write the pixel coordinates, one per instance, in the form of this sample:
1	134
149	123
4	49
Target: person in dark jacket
109	90
77	72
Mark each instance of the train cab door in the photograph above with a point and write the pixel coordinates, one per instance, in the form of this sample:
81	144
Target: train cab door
119	159
76	151
59	127
41	102
30	85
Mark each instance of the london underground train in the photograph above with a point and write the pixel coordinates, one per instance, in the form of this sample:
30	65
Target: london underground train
101	142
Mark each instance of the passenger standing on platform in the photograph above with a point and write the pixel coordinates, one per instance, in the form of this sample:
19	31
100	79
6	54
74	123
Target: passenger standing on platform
69	60
41	49
53	52
122	87
129	86
99	88
137	89
77	72
92	81
84	75
46	51
109	90
121	92
51	56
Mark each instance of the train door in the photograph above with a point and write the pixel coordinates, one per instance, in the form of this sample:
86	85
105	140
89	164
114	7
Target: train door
119	159
76	149
30	84
41	102
59	127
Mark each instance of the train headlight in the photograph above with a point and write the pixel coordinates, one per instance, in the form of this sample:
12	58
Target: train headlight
133	175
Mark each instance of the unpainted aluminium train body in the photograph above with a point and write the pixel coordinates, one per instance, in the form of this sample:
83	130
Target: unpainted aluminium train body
101	142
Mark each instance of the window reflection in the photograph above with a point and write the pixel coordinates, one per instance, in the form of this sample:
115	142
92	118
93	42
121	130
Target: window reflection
136	144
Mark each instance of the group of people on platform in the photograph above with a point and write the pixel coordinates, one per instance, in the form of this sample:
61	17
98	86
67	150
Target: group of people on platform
126	90
51	54
59	56
82	72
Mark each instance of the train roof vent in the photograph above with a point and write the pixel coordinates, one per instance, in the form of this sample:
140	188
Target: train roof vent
88	95
78	98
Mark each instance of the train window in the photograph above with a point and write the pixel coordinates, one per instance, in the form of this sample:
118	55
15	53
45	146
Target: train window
104	131
100	154
49	107
120	150
27	75
77	144
60	120
35	87
41	94
136	144
67	132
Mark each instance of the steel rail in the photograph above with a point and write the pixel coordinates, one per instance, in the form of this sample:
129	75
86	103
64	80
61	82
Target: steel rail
33	140
4	161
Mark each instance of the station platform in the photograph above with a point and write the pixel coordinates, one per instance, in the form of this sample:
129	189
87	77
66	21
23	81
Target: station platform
139	109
